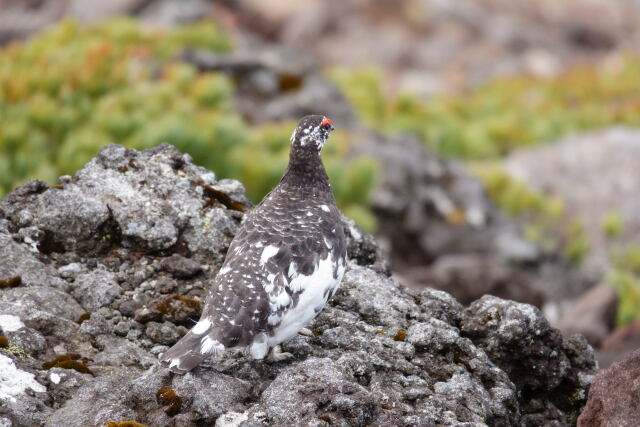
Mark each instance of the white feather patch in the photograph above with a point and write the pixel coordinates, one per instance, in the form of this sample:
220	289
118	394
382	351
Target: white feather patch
313	289
259	347
268	252
201	327
209	345
328	243
293	271
325	208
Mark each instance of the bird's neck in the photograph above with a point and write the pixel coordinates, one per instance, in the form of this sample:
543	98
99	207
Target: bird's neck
306	172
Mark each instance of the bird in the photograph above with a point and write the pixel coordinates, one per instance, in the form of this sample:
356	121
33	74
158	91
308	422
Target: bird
286	261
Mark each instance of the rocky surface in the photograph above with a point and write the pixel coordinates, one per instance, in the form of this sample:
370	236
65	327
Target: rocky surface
102	272
613	398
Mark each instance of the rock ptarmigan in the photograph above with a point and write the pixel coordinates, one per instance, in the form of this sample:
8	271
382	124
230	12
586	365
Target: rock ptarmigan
286	260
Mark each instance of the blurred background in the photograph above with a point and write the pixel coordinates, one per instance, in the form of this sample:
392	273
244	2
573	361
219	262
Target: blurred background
492	146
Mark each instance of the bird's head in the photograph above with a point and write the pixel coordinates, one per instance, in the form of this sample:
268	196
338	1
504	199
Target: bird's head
311	133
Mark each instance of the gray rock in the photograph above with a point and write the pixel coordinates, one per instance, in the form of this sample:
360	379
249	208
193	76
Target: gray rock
535	356
33	342
313	390
211	394
96	325
380	354
49	311
162	333
181	267
118	354
144	201
19	260
70	270
22	397
95	289
166	285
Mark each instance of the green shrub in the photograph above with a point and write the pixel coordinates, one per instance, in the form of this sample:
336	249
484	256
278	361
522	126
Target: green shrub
66	93
612	223
504	114
627	285
625	277
577	243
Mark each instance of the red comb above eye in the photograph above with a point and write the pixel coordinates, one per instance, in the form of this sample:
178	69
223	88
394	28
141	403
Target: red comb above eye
325	121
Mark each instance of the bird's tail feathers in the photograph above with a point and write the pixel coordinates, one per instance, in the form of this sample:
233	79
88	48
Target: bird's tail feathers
190	351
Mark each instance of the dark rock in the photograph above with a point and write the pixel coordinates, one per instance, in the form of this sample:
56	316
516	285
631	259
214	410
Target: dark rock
363	248
613	396
181	267
535	356
144	315
173	307
275	84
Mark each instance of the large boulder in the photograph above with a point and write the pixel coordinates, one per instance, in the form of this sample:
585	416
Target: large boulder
125	252
614	395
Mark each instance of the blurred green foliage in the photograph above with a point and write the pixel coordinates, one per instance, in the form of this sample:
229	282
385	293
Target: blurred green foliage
612	224
505	114
547	222
489	122
486	123
626	279
66	93
514	196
